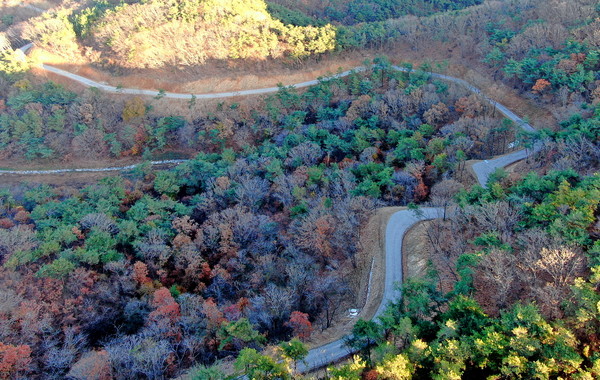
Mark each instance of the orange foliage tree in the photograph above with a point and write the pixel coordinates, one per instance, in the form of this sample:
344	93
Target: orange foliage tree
540	85
300	324
166	313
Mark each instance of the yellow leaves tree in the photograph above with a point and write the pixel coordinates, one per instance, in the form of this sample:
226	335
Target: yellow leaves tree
54	32
134	108
154	34
396	368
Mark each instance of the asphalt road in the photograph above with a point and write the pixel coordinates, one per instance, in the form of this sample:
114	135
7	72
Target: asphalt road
398	224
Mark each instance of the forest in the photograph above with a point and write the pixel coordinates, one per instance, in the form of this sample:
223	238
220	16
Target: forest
256	234
227	264
189	33
362	11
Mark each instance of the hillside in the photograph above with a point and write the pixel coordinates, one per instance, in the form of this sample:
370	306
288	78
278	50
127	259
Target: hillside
157	33
190	33
349	12
234	261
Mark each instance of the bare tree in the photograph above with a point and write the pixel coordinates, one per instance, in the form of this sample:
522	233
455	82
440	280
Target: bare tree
99	221
560	266
327	294
61	355
501	217
442	193
135	356
251	191
307	154
498	269
273	307
18	238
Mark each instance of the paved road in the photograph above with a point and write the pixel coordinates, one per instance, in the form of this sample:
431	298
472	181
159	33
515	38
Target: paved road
401	221
482	170
398	224
177	95
90	170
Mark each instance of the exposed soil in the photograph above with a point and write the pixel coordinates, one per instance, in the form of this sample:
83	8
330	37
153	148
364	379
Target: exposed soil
215	77
416	253
467	177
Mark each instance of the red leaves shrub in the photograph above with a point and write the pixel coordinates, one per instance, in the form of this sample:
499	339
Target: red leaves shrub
236	311
22	216
300	324
94	365
370	375
140	273
6	223
213	315
166	307
540	85
468	106
166	314
13	359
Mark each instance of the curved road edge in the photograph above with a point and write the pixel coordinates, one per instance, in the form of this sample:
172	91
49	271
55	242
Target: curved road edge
482	167
398	224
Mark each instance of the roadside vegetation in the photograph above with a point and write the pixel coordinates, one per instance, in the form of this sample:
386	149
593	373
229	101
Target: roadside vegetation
250	242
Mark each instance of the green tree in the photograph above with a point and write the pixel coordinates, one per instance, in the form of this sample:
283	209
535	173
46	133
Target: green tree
207	373
294	351
166	182
238	333
365	336
59	269
260	367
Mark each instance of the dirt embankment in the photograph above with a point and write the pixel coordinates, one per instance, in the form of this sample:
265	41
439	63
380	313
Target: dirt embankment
416	252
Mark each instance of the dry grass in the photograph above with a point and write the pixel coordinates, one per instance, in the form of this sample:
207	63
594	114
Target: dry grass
416	251
207	79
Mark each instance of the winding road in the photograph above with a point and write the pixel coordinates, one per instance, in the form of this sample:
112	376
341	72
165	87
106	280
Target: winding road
398	224
482	169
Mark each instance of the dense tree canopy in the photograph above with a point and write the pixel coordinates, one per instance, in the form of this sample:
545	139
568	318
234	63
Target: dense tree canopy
254	240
